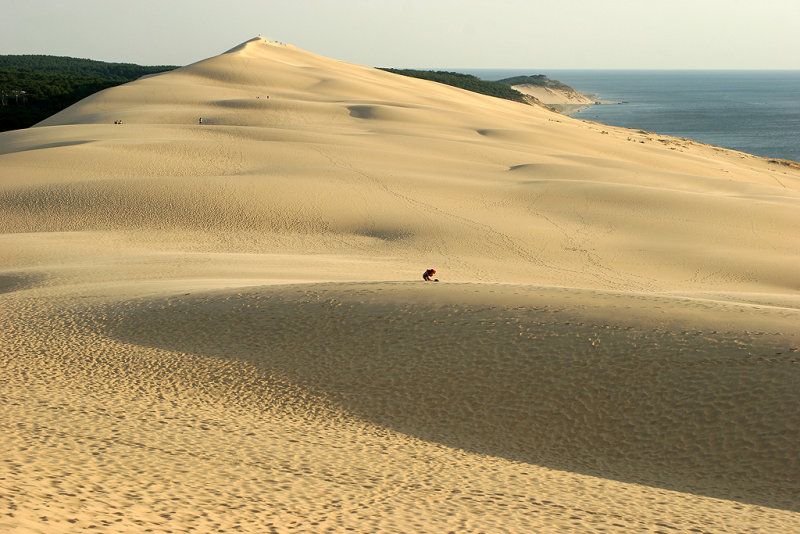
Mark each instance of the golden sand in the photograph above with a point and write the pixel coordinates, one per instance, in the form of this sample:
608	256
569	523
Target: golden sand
223	326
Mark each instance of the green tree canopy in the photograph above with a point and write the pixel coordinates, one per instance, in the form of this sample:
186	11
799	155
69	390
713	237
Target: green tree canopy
34	87
464	81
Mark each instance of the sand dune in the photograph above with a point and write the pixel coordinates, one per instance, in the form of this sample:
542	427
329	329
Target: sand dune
567	101
222	326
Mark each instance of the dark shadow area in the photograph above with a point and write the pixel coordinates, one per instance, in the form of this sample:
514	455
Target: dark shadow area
10	282
712	414
361	112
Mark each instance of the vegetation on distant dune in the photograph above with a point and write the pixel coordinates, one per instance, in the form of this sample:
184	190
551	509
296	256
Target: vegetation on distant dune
464	81
34	87
539	80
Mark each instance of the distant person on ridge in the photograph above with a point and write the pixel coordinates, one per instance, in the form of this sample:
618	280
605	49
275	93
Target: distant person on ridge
428	275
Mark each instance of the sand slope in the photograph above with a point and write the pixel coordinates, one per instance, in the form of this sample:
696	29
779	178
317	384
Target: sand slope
222	325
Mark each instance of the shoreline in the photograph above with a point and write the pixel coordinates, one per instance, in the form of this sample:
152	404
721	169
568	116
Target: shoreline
564	101
573	109
751	112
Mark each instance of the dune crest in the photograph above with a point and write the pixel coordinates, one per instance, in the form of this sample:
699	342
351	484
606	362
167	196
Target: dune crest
221	323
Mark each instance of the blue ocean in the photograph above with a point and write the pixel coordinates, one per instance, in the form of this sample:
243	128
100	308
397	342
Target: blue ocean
757	112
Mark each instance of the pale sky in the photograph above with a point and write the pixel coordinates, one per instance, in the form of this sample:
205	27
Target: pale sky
540	34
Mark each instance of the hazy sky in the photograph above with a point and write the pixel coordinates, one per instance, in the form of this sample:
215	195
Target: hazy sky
541	34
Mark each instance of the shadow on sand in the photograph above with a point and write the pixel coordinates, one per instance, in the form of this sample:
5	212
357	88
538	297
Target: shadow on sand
699	412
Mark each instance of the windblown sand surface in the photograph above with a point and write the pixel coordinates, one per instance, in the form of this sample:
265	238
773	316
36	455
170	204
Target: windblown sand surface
223	327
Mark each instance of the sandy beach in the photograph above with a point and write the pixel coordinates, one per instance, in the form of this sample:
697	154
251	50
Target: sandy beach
221	326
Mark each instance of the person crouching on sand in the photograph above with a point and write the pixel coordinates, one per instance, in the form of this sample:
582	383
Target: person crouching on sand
428	275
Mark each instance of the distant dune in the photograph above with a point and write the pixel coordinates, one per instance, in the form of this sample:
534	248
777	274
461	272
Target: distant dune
222	324
563	100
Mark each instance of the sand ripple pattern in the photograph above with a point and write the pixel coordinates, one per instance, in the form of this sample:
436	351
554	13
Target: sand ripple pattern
243	410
